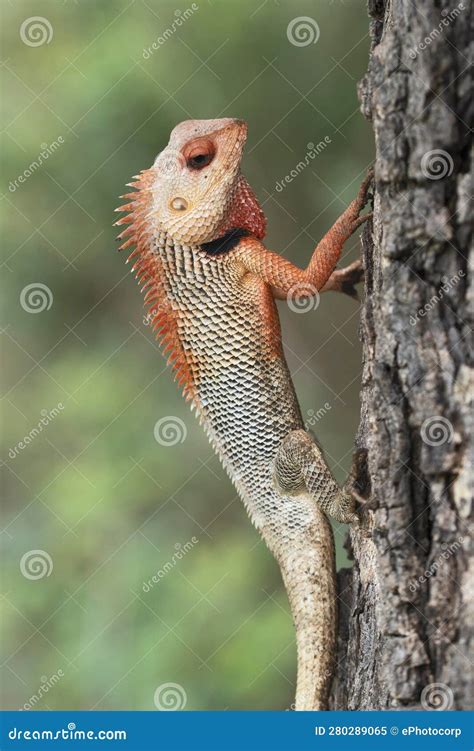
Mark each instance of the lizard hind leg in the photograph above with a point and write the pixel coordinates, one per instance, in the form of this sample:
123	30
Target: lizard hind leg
300	467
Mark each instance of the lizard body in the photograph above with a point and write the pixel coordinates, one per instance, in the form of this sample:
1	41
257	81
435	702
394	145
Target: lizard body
211	285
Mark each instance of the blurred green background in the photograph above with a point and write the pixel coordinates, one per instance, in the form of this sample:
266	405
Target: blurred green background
105	504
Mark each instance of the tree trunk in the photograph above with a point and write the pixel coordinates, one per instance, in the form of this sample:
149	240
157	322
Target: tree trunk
406	606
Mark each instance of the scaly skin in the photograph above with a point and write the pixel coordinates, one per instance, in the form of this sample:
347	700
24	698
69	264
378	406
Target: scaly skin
212	296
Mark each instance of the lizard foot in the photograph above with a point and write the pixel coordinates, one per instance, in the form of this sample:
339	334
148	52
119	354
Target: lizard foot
360	201
362	503
344	280
300	467
366	185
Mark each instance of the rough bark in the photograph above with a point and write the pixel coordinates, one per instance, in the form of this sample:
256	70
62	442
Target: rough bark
406	606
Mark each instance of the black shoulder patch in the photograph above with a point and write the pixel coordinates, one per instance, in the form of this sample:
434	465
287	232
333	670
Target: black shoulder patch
225	243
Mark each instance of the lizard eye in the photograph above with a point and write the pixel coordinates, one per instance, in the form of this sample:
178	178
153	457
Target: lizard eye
199	155
199	160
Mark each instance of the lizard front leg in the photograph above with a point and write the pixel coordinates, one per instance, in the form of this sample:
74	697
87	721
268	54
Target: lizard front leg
286	279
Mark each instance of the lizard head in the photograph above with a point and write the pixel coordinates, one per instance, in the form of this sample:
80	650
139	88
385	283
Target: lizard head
198	192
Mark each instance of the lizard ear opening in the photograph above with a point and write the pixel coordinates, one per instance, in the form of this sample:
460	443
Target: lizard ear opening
199	154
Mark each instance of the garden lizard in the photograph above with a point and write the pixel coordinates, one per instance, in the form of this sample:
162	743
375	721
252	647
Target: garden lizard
211	284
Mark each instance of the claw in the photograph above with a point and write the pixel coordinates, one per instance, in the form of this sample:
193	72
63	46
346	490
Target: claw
362	195
344	280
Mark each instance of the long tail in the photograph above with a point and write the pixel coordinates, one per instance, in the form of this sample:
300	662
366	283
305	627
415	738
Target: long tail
304	548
